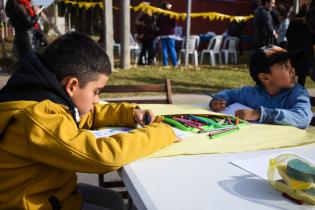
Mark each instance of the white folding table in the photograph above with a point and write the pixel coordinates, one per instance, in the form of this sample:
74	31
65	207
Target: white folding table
205	182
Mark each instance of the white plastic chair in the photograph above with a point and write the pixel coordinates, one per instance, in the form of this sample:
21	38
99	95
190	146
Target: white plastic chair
134	48
117	45
230	46
193	42
213	49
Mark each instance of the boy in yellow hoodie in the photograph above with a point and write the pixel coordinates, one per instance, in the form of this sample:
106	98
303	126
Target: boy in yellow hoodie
46	109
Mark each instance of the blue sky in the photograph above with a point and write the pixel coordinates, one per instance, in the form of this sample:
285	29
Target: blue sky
43	2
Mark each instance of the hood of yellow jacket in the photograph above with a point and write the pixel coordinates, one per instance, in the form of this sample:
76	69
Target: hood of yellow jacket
32	82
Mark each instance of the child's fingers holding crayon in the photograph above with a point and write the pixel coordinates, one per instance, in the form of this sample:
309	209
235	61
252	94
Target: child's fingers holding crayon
143	117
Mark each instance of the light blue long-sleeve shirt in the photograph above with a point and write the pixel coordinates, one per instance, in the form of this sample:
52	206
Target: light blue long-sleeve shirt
289	107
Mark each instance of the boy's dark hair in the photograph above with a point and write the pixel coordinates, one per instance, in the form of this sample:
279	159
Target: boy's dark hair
261	60
76	54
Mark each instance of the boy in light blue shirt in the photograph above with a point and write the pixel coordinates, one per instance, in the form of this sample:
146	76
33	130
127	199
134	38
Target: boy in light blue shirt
276	98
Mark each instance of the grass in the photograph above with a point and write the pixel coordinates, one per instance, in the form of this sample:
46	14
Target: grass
203	79
185	80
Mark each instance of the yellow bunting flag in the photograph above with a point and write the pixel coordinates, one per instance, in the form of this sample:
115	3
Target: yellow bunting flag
147	8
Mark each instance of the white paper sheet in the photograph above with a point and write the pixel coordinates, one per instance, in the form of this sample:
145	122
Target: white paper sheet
112	131
259	165
230	110
181	134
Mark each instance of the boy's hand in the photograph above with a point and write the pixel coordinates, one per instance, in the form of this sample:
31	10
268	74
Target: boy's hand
248	114
217	105
143	116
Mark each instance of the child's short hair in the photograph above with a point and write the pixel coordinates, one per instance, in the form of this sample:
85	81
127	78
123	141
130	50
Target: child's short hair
261	60
76	54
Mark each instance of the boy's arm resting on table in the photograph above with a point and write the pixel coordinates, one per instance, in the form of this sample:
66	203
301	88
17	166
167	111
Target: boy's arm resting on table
58	142
111	114
233	95
299	115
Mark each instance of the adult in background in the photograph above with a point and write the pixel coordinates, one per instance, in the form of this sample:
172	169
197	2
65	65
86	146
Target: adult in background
299	37
145	23
23	16
284	24
166	30
311	17
311	26
264	30
235	28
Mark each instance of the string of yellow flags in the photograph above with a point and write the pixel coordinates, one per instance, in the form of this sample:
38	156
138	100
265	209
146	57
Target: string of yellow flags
146	8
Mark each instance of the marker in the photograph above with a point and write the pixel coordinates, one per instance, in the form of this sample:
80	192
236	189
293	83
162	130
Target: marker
222	133
147	119
229	120
200	119
209	94
237	120
187	122
176	124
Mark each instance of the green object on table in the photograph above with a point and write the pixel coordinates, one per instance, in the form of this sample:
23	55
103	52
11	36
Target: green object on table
212	122
177	124
301	170
223	133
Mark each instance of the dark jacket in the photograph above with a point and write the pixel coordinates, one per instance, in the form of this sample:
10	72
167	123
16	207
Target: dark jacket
165	25
23	24
19	16
299	37
311	20
148	30
263	27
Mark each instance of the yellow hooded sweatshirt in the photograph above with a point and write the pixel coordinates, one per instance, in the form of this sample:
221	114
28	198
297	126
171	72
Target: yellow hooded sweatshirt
42	147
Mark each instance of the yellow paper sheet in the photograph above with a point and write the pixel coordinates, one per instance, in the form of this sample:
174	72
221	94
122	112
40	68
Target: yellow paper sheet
249	138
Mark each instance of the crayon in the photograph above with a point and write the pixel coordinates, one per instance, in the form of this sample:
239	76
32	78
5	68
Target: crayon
223	132
237	120
147	119
229	120
209	94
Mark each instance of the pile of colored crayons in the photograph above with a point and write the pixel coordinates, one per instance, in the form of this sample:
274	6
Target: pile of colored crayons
215	126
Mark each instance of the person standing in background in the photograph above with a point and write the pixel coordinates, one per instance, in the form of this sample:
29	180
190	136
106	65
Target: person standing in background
299	37
310	21
264	30
166	30
145	23
284	24
24	16
235	28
